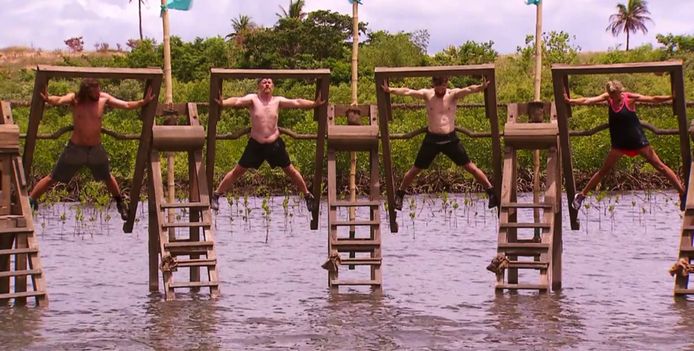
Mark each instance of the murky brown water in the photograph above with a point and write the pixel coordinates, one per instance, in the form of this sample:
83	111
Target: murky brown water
437	294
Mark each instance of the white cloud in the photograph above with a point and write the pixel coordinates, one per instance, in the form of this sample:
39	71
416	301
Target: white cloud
46	23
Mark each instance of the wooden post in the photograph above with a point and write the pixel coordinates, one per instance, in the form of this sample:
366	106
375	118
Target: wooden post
168	100
355	101
537	97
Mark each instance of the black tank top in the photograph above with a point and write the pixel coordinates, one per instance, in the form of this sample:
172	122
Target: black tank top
625	129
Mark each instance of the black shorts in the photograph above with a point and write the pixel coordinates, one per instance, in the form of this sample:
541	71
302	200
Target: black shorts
448	144
255	153
76	156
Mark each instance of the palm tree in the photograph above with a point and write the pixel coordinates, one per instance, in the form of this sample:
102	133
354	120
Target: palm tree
295	10
630	18
241	26
139	13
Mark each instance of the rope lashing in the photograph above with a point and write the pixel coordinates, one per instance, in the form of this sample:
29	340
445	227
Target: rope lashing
168	264
498	264
333	262
681	268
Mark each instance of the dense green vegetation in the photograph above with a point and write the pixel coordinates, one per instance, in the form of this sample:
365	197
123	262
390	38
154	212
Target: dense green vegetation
322	39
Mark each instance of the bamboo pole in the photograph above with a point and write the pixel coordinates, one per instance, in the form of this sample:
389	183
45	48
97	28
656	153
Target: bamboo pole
537	97
168	99
355	101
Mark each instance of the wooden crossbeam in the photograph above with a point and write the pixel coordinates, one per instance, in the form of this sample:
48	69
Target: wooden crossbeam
428	71
635	67
226	73
99	72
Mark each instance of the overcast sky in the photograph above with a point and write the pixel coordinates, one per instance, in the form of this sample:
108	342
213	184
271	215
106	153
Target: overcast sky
47	23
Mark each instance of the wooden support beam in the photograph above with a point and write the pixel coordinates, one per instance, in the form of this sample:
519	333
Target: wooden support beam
309	74
636	67
559	79
384	115
99	72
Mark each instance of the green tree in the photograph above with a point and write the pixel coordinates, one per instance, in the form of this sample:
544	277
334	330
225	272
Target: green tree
242	26
630	18
469	53
676	43
294	10
392	50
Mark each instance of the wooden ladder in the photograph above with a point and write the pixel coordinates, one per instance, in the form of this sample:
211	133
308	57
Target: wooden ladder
361	248
686	250
17	239
530	251
196	247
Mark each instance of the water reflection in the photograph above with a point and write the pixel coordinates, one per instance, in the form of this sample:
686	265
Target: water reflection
21	327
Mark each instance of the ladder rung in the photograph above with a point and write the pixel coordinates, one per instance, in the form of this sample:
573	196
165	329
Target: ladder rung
684	291
524	225
688	251
188	244
355	223
20	273
526	205
688	227
186	224
17	230
195	262
185	205
528	264
192	285
360	261
522	286
354	282
22	294
357	245
523	249
18	251
358	203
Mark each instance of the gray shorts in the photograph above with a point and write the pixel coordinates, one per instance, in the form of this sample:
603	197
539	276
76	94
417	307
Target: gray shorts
76	156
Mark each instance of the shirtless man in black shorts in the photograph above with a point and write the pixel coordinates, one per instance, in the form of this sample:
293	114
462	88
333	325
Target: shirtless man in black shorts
264	142
626	135
84	147
441	137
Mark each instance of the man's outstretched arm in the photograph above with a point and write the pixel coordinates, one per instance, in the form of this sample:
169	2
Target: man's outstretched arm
67	99
471	89
234	102
420	94
301	103
128	105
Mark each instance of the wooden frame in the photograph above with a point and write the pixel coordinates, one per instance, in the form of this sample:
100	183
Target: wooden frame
560	77
320	113
152	78
385	112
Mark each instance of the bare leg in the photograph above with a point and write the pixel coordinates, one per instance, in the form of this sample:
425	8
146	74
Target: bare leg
41	187
612	157
230	178
649	154
477	173
409	177
296	178
112	186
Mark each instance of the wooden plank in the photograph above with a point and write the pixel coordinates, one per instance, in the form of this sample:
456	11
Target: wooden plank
143	150
635	67
428	71
184	205
180	285
522	286
22	294
25	272
358	203
360	261
354	223
178	138
229	73
563	109
680	109
185	224
35	115
354	282
321	115
490	108
530	246
196	262
526	205
384	116
18	251
684	291
99	72
528	264
524	225
214	112
188	244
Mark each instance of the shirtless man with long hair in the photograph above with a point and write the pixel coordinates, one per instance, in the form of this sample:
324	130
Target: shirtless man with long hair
84	147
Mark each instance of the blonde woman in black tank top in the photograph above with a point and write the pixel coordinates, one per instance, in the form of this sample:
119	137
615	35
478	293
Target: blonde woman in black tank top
626	135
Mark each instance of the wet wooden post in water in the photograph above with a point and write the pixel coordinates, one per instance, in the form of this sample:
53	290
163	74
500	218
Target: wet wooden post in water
385	112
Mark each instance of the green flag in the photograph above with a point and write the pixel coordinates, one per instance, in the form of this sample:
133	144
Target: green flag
532	2
183	5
